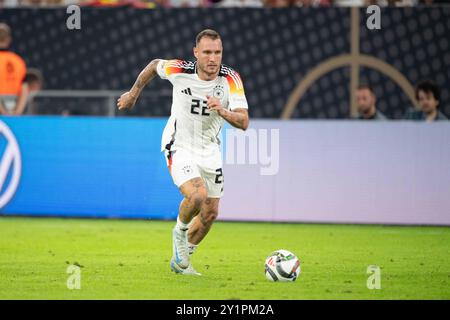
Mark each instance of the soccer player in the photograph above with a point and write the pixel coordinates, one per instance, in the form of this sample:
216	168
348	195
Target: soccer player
205	92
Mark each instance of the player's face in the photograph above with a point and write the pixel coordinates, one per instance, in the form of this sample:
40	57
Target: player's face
427	102
209	55
364	100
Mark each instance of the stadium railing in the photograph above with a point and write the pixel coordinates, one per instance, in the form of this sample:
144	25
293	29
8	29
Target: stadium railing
75	102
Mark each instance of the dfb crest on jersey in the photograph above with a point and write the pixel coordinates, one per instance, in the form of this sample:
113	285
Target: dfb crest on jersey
218	92
187	169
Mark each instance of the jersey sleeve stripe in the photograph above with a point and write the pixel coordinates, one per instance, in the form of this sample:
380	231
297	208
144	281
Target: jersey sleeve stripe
233	78
237	79
172	70
234	85
177	66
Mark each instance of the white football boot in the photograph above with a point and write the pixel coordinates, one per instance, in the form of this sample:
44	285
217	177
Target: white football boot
189	270
180	258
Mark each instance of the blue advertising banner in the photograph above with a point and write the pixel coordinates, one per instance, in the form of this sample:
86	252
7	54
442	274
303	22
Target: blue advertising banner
75	166
302	171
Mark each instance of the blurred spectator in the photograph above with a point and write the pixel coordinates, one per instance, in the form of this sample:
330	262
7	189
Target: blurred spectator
350	3
34	79
13	88
296	3
9	3
141	4
187	3
381	3
366	104
237	3
277	3
312	3
35	82
427	95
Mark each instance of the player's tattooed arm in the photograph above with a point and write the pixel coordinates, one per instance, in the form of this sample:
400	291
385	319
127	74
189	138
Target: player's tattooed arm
128	99
238	118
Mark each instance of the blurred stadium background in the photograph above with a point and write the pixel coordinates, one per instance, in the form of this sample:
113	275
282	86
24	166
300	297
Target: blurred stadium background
275	50
73	154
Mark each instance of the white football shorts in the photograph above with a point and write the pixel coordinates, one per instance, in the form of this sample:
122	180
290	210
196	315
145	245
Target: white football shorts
184	166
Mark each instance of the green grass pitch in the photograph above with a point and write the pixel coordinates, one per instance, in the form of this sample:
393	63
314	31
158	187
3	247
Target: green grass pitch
129	259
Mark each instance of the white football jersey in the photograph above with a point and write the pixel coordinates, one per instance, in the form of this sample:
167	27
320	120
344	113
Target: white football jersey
192	126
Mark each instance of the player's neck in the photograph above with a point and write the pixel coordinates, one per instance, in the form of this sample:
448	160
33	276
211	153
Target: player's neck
206	76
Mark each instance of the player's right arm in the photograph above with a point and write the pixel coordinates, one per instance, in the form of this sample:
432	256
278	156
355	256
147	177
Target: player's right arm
128	99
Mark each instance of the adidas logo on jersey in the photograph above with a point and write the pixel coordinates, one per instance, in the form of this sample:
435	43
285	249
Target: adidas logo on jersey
187	91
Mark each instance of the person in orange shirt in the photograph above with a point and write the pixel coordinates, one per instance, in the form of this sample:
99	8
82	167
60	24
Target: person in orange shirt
13	88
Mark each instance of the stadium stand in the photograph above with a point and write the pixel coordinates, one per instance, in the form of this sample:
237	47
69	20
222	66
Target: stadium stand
272	49
151	4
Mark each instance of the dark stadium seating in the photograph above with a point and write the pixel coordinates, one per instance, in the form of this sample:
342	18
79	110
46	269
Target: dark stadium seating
272	49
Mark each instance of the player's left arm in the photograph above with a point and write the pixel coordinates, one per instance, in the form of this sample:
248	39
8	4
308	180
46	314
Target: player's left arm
238	117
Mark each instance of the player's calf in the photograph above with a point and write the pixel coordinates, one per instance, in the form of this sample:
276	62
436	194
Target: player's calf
207	216
204	220
195	195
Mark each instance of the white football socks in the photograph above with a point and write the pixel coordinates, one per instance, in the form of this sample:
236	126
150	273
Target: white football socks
181	226
191	248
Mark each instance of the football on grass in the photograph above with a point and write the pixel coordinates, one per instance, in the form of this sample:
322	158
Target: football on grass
282	265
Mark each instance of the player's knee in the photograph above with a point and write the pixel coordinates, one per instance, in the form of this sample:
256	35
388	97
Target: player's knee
198	198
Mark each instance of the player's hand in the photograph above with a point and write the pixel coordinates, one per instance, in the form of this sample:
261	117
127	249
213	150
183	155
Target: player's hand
214	104
126	101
